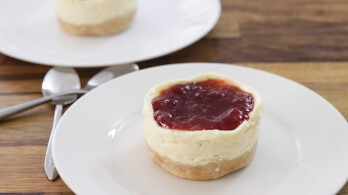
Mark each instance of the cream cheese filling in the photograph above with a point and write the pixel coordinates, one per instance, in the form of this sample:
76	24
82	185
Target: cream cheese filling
92	12
201	147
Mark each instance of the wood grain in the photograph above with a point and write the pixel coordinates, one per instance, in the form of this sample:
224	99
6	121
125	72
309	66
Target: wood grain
303	40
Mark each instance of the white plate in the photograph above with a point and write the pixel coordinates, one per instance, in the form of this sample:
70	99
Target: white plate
29	31
99	145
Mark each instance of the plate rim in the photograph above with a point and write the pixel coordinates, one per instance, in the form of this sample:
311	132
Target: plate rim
101	63
341	117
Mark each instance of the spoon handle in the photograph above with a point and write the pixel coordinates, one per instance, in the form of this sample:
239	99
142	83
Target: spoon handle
50	167
13	110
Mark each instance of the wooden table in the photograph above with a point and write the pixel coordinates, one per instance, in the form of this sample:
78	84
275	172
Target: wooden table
303	40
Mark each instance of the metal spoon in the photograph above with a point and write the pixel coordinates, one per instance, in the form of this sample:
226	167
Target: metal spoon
101	77
56	80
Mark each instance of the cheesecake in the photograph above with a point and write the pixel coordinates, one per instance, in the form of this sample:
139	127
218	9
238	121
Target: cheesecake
202	128
95	17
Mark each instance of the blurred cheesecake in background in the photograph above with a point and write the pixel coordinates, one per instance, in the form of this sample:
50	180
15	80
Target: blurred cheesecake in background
95	17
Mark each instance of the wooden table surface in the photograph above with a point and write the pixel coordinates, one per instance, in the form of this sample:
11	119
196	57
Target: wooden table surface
303	40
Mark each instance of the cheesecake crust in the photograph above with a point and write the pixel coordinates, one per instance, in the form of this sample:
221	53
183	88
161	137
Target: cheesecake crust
209	171
108	27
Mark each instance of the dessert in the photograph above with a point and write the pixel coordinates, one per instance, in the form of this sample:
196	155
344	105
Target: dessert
95	17
202	128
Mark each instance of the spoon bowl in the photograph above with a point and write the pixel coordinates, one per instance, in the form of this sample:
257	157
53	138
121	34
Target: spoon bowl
58	80
108	74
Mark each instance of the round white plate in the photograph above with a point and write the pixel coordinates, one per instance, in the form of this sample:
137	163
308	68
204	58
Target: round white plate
30	31
99	145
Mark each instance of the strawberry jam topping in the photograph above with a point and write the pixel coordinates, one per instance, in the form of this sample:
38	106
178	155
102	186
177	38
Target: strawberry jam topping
205	105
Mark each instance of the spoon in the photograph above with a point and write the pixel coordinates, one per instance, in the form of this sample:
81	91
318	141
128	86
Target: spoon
101	77
58	79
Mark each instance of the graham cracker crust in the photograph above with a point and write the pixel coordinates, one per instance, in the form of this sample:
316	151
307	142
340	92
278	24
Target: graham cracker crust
209	171
109	27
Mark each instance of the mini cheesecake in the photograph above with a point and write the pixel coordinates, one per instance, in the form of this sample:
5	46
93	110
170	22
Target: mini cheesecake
95	17
202	128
